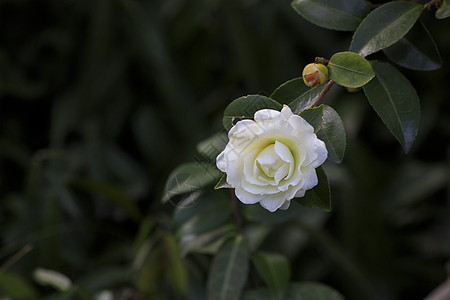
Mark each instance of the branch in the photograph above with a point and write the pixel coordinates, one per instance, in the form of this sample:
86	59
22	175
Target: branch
322	94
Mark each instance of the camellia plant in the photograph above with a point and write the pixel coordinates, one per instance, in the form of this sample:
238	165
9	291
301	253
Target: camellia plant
272	147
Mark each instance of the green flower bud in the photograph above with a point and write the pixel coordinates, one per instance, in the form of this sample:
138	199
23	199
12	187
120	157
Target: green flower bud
315	74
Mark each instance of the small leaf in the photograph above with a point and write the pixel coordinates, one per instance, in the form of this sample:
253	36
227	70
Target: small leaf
274	269
258	214
333	134
245	108
229	270
312	291
332	14
222	184
208	242
349	69
384	26
443	11
319	196
212	146
16	286
396	102
189	178
417	50
314	117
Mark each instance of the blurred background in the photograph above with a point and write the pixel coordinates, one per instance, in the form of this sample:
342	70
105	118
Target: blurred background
101	99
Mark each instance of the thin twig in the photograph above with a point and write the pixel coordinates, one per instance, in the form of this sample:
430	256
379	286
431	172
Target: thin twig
16	257
236	215
322	94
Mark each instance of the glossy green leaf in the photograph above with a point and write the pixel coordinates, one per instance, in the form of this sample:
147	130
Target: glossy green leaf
417	50
208	211
208	242
314	117
333	134
296	94
384	26
332	14
319	196
245	108
312	291
229	270
274	269
349	69
189	178
211	147
396	102
443	11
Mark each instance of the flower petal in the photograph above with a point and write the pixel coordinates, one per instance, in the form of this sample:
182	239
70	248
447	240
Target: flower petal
246	197
273	203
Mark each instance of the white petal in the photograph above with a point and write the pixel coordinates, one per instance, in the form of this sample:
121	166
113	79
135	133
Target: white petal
286	112
281	173
266	114
300	193
285	205
273	203
310	179
322	154
283	152
300	124
268	156
246	197
221	162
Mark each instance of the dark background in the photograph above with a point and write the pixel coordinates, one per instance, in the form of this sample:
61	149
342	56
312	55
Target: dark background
100	100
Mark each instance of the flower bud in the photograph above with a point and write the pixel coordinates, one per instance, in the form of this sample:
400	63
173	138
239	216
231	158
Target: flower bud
315	74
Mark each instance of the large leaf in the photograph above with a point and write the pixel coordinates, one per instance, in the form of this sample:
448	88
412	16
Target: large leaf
417	50
396	102
384	26
312	291
349	69
319	196
332	14
228	272
274	269
189	178
314	117
245	108
208	242
333	134
209	211
298	96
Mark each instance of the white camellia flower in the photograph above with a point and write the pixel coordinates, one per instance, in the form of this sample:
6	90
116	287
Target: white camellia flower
272	159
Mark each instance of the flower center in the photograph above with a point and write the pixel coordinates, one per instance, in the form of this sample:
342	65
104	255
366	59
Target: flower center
275	163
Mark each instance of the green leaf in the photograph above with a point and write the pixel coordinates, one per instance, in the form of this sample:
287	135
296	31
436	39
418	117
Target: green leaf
417	50
274	269
175	265
296	94
258	294
443	11
222	184
312	291
319	196
229	270
212	146
314	117
333	134
396	102
16	287
209	211
384	26
349	69
189	178
245	108
208	242
332	14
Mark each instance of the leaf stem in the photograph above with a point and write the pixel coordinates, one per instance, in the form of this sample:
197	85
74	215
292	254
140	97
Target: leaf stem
322	94
236	215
